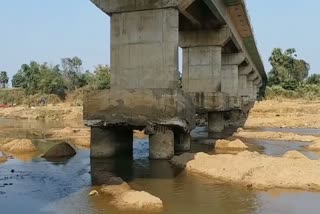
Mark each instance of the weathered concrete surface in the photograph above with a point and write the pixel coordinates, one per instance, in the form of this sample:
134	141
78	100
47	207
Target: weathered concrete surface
161	144
202	69
144	49
110	142
216	122
209	101
254	170
139	108
182	142
116	6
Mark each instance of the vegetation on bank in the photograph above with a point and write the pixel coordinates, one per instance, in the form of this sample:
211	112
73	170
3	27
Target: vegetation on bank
34	81
289	77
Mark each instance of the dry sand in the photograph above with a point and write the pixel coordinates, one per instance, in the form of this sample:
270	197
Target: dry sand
285	113
254	170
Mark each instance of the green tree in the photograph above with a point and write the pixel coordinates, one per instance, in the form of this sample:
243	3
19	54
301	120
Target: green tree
4	79
287	71
313	79
72	68
102	77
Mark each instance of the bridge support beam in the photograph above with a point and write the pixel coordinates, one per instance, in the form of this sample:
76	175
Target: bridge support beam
216	122
182	142
110	142
161	144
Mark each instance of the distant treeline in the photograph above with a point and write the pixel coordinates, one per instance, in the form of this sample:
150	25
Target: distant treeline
289	76
35	78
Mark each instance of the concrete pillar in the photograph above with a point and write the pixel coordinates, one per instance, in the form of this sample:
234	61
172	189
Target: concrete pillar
201	69
144	49
161	144
110	142
182	142
216	122
250	89
244	71
202	59
230	73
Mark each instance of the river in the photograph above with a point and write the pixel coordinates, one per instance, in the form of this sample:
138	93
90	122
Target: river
34	185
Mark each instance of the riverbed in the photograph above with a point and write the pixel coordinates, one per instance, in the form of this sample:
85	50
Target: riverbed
35	185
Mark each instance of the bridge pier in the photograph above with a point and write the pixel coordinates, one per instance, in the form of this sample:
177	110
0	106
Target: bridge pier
144	77
145	92
111	142
161	144
182	142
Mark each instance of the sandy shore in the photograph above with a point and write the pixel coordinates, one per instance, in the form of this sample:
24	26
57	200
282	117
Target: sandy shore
254	170
51	112
286	113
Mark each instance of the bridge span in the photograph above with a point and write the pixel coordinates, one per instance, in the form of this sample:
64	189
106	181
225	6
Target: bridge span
222	73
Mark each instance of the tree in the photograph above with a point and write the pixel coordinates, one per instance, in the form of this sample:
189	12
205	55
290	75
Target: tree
3	79
72	68
287	71
102	77
314	79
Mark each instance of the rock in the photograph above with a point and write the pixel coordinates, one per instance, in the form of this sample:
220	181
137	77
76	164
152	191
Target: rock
23	146
116	189
314	147
125	198
137	201
94	193
230	145
19	146
240	130
294	155
182	160
3	159
59	151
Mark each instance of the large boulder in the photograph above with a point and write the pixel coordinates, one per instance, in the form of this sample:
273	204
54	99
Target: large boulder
60	151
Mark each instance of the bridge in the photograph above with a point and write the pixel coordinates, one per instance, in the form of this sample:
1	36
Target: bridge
222	73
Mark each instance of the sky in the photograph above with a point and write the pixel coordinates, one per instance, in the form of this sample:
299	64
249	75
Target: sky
46	31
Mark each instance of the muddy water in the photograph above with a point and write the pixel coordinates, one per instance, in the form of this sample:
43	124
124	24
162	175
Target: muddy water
38	186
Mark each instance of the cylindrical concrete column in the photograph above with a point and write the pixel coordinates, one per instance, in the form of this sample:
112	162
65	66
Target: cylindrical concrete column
182	142
110	142
216	122
161	144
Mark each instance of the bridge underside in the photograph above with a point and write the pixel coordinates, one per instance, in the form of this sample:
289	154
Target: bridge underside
219	74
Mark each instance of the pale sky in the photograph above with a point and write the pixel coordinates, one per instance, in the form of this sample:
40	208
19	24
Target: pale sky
46	31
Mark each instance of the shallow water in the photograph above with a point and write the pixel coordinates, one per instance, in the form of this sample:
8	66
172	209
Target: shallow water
38	186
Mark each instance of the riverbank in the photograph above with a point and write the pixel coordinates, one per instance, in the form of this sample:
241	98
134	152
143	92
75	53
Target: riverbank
285	114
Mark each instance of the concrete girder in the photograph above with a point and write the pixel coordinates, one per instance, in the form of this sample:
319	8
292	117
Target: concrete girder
254	75
221	11
245	70
233	59
183	6
218	37
117	6
257	81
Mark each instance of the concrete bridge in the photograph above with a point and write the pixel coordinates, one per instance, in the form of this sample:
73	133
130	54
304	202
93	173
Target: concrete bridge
222	73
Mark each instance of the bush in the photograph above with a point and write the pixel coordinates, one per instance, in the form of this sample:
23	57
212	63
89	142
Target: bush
305	91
